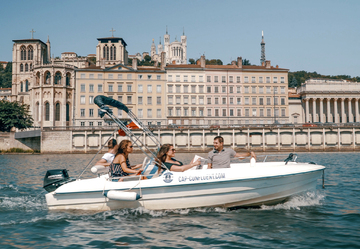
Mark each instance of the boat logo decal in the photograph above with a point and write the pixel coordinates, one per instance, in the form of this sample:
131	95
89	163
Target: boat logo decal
168	177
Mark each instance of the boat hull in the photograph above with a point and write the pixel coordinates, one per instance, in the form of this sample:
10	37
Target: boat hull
239	186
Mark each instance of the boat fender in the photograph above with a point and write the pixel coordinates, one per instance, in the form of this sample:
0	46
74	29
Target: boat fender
98	169
122	195
252	162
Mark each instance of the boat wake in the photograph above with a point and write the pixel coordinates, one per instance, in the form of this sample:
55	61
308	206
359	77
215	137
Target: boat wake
312	198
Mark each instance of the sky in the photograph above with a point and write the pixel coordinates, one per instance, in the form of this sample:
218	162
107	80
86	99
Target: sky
310	35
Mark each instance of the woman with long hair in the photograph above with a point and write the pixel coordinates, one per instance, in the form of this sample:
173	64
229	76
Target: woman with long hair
121	164
166	155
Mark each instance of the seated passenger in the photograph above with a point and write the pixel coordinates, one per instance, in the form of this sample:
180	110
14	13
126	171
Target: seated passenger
108	157
166	155
121	164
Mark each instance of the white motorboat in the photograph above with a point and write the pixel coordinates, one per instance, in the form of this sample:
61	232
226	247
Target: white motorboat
241	185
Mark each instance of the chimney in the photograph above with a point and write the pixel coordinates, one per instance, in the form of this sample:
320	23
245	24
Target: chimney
134	63
263	64
202	61
239	62
267	64
233	63
162	60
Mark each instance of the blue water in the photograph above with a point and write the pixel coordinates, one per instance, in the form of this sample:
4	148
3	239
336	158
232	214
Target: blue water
325	218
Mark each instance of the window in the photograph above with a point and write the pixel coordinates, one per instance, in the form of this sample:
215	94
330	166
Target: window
120	113
82	123
209	101
267	79
110	88
201	89
178	100
158	77
21	67
177	88
238	89
193	112
100	76
208	89
268	89
268	101
201	78
247	114
170	88
140	76
231	79
261	101
149	88
186	100
91	88
99	123
170	111
140	113
217	112
261	89
140	88
120	76
276	112
246	89
82	99
231	112
158	100
238	112
111	76
186	111
82	112
224	112
185	78
282	90
238	101
253	80
254	112
247	101
192	78
193	100
246	79
216	79
282	112
91	123
193	89
238	79
224	89
253	101
201	100
170	78
224	101
216	101
275	80
57	112
261	112
149	77
223	79
100	88
91	100
170	100
178	112
209	112
177	78
82	76
149	100
282	79
129	76
140	100
231	89
129	99
158	113
149	113
282	101
82	88
23	52
253	89
91	112
275	89
276	101
201	112
261	80
120	99
129	88
158	88
208	78
216	89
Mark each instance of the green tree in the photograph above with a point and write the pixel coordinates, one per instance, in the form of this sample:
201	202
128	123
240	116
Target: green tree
14	114
192	61
293	82
213	62
146	61
246	62
6	76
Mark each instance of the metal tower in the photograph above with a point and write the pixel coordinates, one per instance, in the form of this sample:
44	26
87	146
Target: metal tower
262	59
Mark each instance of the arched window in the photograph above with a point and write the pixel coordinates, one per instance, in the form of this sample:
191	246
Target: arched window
68	76
47	111
21	67
30	53
37	111
106	52
57	112
26	67
113	53
57	80
47	78
37	78
30	66
22	53
21	87
26	86
67	112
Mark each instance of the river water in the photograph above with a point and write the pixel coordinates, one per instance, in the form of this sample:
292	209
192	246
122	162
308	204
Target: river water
325	218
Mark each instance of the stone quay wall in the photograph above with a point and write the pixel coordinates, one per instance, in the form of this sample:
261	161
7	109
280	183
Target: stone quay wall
201	140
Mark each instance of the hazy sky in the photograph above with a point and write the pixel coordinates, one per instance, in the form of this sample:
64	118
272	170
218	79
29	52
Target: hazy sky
311	35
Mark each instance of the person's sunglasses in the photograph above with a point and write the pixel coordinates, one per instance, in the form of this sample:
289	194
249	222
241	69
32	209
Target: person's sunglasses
131	146
173	150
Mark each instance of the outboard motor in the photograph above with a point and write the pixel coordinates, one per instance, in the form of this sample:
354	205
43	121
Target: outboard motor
55	178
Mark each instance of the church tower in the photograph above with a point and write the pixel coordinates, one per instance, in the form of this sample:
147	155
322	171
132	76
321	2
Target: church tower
184	46
262	59
153	50
160	47
167	44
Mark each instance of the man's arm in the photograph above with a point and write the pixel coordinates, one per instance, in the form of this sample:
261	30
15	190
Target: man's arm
103	162
246	154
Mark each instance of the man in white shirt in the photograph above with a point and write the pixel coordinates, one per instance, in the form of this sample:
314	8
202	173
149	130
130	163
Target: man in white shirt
108	157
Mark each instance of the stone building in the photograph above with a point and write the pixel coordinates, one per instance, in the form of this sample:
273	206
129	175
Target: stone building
328	100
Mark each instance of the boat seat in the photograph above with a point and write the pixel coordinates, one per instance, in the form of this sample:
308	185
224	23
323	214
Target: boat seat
149	168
